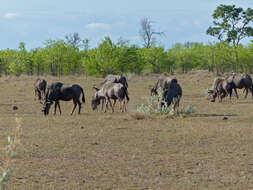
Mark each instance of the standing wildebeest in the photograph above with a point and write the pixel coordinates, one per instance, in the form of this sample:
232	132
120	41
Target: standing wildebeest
173	94
116	79
163	83
241	81
110	91
40	88
58	91
221	88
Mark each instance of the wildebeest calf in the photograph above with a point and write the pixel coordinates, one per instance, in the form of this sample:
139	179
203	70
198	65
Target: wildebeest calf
40	88
115	91
58	91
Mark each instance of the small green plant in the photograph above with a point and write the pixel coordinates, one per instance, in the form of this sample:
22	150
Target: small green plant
9	155
155	105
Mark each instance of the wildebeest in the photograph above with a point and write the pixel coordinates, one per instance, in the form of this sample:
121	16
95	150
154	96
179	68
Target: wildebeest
58	91
163	83
224	86
115	91
241	80
40	86
116	79
172	95
221	88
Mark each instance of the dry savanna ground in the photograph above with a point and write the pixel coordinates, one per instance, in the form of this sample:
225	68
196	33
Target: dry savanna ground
98	150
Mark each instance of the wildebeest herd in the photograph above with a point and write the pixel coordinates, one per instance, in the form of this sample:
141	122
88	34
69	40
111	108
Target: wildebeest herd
115	87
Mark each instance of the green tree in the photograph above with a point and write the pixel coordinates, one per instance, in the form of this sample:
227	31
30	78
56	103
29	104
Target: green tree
156	59
21	63
231	24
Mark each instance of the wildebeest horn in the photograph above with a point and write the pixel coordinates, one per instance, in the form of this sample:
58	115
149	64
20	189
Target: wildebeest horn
97	89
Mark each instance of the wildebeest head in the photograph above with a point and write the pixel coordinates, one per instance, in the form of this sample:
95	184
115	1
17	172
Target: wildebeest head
95	99
49	100
153	91
213	94
46	107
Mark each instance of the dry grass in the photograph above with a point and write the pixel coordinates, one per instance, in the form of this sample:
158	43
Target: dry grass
128	150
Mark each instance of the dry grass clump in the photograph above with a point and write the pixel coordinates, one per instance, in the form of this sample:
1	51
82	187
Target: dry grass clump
9	153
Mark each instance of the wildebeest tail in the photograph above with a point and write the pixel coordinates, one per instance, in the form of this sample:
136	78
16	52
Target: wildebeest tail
83	97
126	93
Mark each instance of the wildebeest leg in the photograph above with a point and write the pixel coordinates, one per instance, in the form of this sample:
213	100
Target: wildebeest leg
177	105
114	102
55	106
106	106
40	97
230	94
246	89
106	102
110	104
79	106
59	107
102	107
235	93
251	90
39	94
44	94
123	105
74	107
219	97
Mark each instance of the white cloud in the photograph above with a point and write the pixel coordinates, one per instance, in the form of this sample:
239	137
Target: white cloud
98	26
11	15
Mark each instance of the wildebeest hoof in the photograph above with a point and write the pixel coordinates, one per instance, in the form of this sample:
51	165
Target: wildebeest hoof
14	107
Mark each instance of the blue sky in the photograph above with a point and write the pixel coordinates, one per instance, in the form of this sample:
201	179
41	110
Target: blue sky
35	21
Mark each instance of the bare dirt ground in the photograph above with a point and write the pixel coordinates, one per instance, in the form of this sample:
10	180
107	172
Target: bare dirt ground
98	150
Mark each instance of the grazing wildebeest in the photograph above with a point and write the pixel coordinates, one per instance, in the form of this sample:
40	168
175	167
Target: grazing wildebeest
163	83
115	91
172	95
58	91
40	88
221	88
241	80
116	79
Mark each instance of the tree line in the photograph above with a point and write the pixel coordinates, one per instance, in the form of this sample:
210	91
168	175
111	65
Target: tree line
72	55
